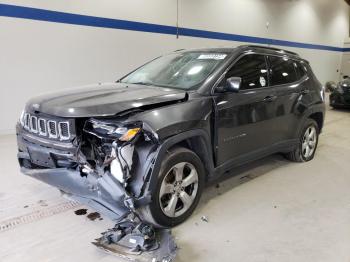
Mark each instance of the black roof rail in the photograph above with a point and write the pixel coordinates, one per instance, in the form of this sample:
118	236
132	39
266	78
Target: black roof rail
270	48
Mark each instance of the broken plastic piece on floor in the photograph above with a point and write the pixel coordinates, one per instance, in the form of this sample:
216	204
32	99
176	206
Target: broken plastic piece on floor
205	219
138	241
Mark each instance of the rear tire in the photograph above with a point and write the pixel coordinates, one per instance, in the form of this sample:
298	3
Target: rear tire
177	192
307	144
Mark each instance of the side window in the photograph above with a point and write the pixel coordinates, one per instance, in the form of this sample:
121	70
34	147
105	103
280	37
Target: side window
253	71
283	70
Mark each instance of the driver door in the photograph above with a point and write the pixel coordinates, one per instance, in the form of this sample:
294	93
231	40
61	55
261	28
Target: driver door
245	120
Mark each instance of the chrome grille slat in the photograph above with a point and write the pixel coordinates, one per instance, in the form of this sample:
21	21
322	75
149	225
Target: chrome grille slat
46	127
42	127
63	129
33	124
52	129
26	121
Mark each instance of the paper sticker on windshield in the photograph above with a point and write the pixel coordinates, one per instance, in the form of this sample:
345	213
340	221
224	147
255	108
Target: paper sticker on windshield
262	81
212	56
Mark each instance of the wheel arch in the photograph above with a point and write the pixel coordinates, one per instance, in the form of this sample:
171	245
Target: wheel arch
196	140
319	118
315	112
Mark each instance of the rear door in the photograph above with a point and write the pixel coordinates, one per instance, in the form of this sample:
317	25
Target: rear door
244	120
288	81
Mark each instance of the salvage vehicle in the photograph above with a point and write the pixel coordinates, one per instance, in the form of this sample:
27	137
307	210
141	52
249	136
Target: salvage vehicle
148	143
340	95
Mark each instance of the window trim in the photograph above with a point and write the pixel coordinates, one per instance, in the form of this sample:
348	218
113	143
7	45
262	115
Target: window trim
233	64
212	92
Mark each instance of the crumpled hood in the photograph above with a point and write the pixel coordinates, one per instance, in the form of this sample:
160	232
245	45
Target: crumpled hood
102	100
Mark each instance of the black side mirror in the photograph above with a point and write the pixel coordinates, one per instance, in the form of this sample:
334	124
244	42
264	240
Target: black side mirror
233	84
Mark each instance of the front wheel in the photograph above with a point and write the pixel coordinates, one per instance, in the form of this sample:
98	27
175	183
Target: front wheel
178	190
308	141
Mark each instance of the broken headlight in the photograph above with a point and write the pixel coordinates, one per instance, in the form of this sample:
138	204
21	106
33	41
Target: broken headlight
130	134
110	129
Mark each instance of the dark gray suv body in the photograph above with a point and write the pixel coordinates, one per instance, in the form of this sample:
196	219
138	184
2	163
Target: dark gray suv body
149	142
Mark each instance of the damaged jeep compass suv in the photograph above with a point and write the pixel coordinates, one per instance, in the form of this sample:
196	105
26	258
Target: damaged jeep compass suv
148	143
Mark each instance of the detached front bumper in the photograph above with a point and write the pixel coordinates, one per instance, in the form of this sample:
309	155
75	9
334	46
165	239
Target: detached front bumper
54	165
100	193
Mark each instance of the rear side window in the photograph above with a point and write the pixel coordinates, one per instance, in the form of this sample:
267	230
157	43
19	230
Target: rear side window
283	70
301	70
253	71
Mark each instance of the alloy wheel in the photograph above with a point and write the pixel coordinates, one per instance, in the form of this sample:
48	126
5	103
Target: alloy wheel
309	142
178	189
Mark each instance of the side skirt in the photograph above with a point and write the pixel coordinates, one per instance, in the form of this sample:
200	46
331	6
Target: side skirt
281	147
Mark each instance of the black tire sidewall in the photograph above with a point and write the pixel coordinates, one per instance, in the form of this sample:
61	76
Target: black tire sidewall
174	157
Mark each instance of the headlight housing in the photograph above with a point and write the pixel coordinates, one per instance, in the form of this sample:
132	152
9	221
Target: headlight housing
110	130
130	134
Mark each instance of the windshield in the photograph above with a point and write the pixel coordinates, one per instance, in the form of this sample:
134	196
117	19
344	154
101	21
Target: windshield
182	70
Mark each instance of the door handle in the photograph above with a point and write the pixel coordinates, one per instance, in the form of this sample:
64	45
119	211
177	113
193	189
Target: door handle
270	98
305	91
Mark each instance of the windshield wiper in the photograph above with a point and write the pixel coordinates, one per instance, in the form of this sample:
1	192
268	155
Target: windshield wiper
151	84
142	83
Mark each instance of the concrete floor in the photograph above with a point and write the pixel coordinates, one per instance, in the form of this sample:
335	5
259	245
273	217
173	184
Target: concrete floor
272	210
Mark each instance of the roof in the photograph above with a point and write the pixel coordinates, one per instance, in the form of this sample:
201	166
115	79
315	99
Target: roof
256	48
210	49
268	49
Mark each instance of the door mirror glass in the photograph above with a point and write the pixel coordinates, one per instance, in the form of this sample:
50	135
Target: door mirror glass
233	84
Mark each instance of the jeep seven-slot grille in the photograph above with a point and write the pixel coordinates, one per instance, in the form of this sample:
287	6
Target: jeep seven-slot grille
46	127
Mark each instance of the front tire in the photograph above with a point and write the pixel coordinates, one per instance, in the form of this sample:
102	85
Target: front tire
178	190
307	145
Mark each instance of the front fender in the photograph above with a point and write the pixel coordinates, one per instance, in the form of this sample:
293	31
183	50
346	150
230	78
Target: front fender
178	118
206	153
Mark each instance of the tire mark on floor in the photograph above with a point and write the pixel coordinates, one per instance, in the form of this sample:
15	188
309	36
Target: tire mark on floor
37	215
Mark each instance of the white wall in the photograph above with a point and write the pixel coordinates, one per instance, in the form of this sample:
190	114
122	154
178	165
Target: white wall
345	64
37	57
